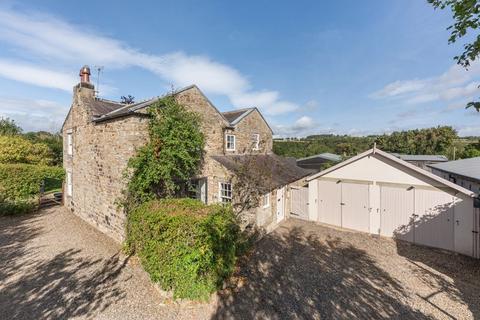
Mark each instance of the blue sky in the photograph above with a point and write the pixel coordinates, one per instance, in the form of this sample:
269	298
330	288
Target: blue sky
344	67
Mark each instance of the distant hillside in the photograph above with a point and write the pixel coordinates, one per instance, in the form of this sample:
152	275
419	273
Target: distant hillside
437	140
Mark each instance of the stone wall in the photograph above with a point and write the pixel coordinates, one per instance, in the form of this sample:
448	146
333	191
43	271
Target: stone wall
101	152
100	155
253	123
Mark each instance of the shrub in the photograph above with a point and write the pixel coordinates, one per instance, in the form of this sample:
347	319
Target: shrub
184	245
15	149
21	181
9	207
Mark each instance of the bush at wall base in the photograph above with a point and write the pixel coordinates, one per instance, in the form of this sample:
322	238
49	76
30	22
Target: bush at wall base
185	246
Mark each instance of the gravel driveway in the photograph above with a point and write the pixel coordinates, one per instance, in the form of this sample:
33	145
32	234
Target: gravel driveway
307	271
55	266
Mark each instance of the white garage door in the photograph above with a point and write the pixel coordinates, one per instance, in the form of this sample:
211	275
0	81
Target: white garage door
434	218
329	198
396	212
355	212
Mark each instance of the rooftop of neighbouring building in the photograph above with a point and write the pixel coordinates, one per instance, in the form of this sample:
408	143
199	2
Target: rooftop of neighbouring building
421	157
469	168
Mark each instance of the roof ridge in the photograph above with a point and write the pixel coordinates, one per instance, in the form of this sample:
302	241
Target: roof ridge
239	110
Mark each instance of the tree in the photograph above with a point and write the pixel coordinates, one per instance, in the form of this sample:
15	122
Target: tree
165	165
16	149
127	99
53	140
438	140
8	127
471	150
466	14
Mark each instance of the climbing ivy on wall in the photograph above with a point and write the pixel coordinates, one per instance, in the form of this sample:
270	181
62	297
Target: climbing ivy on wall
164	166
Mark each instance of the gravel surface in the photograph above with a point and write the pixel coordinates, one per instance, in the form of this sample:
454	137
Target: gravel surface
53	265
307	271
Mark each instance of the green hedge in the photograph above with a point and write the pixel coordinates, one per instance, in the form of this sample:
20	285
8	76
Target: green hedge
16	149
184	245
20	181
13	207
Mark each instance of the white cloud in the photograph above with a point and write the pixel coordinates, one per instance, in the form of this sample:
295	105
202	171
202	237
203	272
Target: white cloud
35	75
455	83
56	41
303	126
33	115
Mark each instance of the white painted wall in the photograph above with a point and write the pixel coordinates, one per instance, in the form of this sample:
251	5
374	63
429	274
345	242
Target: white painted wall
377	168
313	200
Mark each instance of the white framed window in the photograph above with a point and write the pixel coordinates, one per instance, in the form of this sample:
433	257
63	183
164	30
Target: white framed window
70	143
225	192
230	141
266	200
69	183
256	141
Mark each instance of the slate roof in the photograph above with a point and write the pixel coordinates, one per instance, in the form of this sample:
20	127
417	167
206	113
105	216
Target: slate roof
235	115
469	168
271	170
101	106
421	157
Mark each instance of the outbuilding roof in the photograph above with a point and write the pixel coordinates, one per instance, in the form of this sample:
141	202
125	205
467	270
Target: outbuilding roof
270	171
322	156
469	168
399	161
422	157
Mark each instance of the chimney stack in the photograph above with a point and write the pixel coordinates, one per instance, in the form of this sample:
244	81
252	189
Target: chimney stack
85	74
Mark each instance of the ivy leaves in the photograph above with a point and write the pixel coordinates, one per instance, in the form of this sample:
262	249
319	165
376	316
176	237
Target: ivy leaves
165	165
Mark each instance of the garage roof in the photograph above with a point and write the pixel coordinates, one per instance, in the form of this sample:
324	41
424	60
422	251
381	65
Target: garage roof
465	167
399	161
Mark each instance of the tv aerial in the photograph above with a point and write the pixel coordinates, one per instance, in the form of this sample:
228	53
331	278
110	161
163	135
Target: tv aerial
99	71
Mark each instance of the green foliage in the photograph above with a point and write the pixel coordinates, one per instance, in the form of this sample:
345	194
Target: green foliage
437	140
471	150
16	149
466	14
54	141
165	165
184	245
8	127
22	181
312	145
14	207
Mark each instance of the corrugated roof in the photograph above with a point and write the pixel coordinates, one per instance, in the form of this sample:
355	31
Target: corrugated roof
421	157
465	167
271	170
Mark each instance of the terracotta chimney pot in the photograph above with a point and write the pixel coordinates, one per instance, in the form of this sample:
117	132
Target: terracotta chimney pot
85	74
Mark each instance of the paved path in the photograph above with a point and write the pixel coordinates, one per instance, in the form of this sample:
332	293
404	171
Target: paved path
53	265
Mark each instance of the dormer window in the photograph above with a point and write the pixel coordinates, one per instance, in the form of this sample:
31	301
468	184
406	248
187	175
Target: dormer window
230	142
256	141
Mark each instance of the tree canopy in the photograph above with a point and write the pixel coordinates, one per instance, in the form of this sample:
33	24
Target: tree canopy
466	14
8	127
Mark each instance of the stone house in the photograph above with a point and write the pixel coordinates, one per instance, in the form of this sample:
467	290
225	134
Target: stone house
100	136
